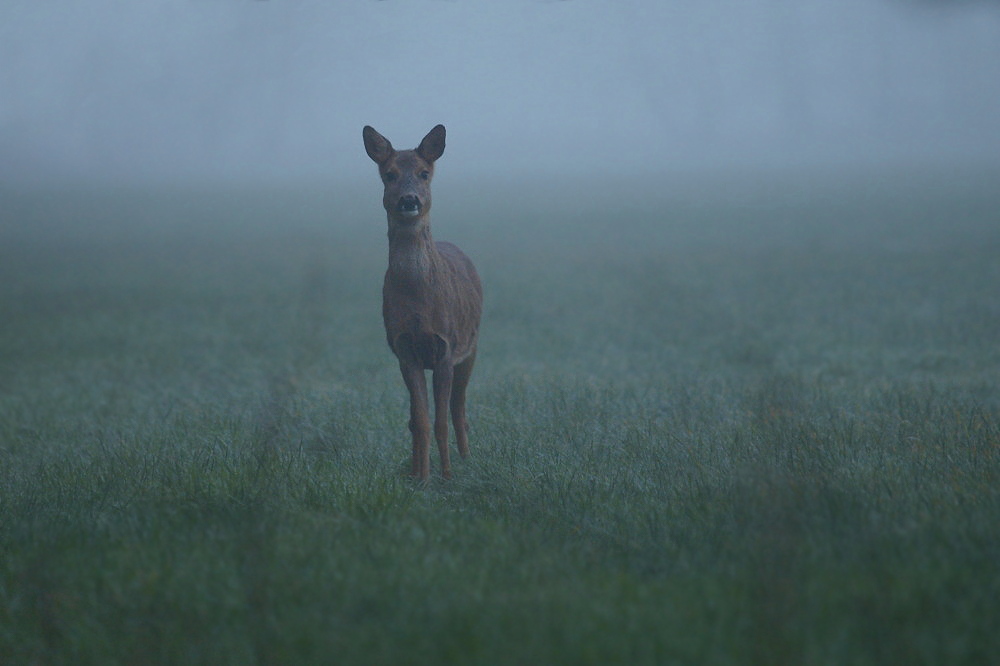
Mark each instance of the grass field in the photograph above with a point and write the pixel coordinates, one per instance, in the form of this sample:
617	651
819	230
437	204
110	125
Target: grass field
727	420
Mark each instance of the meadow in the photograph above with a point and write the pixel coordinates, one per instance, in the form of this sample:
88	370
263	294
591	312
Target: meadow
743	418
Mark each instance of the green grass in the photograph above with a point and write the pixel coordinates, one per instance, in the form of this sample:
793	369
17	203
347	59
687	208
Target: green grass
744	421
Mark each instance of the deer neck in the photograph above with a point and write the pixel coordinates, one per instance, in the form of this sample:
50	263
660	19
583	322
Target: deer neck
412	255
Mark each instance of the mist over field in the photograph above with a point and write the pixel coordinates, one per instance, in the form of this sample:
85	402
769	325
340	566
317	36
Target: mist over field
278	90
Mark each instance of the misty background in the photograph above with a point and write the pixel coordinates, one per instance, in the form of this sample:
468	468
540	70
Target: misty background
278	90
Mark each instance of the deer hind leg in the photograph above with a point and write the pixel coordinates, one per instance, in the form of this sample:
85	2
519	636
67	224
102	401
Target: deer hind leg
443	374
463	371
420	424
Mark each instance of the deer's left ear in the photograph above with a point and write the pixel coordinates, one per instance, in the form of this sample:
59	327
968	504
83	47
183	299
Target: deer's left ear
432	146
376	145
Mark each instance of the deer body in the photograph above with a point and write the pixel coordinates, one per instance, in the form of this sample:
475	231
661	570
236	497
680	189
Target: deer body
431	299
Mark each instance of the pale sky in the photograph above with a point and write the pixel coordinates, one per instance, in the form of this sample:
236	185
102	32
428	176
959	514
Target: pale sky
279	89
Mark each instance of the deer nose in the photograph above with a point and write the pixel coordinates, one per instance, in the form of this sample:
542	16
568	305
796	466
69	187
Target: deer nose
408	205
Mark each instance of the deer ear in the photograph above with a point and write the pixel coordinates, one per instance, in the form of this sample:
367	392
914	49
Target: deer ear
376	145
432	146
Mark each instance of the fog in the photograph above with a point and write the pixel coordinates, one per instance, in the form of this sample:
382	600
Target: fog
278	90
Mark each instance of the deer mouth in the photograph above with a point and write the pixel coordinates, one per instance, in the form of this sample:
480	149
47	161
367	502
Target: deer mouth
409	206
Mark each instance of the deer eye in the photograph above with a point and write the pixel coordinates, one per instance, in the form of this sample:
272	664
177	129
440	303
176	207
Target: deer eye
424	175
389	177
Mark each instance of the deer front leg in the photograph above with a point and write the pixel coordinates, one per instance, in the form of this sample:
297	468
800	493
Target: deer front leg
443	373
420	422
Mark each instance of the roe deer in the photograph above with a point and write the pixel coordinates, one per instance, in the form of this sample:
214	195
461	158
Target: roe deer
431	299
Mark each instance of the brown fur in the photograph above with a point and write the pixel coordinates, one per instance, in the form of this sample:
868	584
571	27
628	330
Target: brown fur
431	299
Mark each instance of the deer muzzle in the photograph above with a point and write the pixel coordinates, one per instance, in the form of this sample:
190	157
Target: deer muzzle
409	205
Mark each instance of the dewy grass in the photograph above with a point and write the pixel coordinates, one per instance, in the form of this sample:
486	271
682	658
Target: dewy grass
709	437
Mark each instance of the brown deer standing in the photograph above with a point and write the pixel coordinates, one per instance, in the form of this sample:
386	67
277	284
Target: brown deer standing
431	299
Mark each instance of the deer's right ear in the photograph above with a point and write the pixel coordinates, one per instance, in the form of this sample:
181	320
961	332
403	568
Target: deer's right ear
432	147
376	145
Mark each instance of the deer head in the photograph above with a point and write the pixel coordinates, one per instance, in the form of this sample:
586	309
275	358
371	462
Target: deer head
406	175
